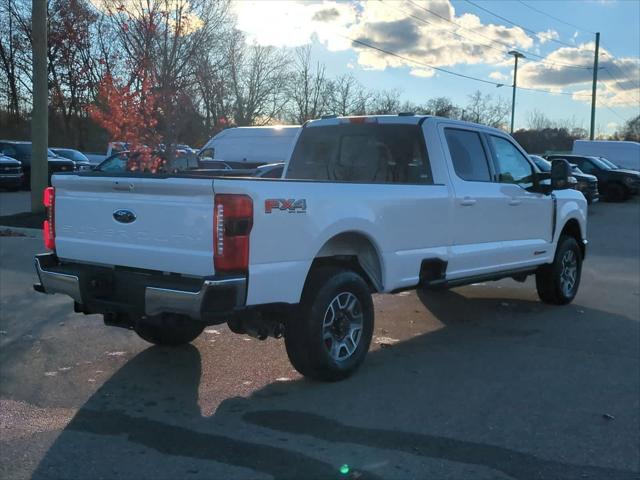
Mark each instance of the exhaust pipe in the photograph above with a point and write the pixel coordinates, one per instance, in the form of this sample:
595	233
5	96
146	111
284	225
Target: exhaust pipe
255	325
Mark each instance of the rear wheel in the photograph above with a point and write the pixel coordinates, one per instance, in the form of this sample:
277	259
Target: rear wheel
168	329
330	337
617	193
558	283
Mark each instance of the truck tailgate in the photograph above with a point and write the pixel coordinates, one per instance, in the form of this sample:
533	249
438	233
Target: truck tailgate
171	231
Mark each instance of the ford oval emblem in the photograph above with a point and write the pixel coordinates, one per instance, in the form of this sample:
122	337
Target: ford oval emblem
124	216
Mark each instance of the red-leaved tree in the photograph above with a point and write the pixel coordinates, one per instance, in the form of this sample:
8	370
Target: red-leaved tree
130	115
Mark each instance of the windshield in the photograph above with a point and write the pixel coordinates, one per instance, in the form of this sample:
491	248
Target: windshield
600	164
541	163
148	162
75	155
612	165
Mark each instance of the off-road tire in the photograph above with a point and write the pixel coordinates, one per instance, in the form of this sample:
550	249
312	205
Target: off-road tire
309	351
551	279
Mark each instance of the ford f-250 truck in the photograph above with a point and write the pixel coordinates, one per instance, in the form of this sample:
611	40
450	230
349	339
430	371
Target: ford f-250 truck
367	204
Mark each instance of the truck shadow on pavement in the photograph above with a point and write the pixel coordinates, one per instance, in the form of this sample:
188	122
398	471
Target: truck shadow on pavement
452	395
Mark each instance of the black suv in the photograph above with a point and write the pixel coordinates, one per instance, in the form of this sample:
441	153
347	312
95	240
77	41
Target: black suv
10	173
586	184
616	184
22	151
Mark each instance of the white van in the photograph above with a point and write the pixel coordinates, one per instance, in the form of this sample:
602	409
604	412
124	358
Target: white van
248	147
623	154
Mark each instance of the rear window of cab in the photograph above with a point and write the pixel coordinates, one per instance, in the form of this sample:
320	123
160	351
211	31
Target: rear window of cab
361	153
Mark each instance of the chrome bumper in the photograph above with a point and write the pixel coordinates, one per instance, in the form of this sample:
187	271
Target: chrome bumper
161	300
55	282
157	299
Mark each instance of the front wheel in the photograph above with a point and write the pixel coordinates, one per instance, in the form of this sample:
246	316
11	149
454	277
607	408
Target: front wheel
558	282
330	337
168	329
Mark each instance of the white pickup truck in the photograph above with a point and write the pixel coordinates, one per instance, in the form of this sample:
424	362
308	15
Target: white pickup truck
367	204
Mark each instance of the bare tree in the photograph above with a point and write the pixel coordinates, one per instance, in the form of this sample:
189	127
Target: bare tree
442	107
348	97
310	90
8	46
385	102
487	111
258	78
537	120
164	39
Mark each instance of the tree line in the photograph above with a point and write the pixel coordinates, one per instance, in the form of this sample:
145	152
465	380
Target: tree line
182	67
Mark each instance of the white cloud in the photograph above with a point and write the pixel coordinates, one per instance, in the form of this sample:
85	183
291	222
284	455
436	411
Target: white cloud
391	26
498	76
397	27
422	72
547	36
294	23
558	73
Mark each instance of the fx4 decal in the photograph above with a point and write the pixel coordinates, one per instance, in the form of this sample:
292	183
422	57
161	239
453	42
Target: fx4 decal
290	205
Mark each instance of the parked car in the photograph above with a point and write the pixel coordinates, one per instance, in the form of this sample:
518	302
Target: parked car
362	209
270	170
249	147
22	151
615	184
119	162
587	184
622	153
11	175
81	161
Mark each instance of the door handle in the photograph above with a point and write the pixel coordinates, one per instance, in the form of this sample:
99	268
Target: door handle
467	201
514	202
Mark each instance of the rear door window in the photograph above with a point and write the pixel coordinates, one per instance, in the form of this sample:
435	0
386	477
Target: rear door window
468	155
361	153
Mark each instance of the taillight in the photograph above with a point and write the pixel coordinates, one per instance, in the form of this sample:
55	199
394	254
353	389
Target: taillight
232	222
48	228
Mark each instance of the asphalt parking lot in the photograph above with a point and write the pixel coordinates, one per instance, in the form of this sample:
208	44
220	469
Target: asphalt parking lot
480	382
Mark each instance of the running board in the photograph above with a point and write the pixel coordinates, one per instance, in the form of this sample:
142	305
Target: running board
518	274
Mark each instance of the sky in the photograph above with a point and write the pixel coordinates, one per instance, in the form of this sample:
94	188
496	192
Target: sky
472	38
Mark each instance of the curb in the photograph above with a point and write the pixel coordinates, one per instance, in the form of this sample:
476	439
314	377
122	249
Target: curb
27	232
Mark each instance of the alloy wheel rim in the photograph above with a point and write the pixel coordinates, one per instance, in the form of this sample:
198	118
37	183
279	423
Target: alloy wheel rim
342	326
569	273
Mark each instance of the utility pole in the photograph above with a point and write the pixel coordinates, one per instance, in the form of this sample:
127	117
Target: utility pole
39	115
594	87
516	55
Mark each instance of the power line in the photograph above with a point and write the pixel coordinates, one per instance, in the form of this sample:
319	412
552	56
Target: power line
407	59
450	72
616	81
615	113
529	53
554	17
614	64
516	24
420	19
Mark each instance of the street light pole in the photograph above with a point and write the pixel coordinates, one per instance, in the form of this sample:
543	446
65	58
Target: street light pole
516	55
594	88
39	116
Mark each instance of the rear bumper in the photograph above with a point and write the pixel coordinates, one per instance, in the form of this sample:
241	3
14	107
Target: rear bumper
105	290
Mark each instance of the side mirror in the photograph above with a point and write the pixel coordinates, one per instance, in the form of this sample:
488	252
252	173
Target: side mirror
560	174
